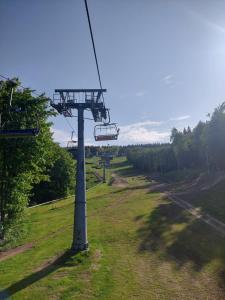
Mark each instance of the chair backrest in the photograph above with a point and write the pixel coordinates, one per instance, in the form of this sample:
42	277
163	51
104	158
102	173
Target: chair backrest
106	132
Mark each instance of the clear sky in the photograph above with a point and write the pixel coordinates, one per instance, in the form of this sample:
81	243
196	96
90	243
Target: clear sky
162	61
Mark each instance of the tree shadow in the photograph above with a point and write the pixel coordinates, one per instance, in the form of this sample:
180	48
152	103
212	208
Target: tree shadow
176	236
129	172
67	259
131	188
119	164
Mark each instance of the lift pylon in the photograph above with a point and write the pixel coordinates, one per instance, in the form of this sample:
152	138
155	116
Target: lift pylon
65	101
105	163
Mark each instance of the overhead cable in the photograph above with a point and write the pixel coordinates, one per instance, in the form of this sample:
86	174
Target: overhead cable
93	45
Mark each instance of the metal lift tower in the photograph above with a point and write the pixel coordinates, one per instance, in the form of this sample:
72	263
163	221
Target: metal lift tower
65	101
105	163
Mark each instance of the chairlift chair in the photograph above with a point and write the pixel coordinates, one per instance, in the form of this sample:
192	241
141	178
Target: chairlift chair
19	133
106	132
71	143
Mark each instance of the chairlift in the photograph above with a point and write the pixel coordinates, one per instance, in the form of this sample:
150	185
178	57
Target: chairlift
71	143
106	132
19	133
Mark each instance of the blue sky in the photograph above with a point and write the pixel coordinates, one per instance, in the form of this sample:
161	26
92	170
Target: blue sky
162	61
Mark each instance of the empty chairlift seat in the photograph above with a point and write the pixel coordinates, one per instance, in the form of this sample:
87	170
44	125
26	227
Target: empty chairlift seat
71	145
106	132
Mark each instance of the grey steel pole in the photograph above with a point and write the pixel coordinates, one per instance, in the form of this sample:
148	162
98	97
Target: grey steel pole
80	242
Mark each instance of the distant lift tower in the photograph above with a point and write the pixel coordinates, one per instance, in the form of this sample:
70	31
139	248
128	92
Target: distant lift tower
105	163
65	101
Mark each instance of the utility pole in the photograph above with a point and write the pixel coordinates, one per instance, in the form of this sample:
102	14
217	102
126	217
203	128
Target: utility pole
65	101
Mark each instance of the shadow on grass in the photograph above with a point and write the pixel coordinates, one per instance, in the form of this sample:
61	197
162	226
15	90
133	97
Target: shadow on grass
120	164
131	188
174	235
127	172
67	259
125	169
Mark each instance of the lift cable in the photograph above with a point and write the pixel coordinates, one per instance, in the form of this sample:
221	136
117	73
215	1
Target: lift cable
93	45
68	122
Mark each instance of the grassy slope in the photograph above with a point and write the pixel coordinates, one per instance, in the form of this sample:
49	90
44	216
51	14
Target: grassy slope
141	247
211	201
91	181
91	168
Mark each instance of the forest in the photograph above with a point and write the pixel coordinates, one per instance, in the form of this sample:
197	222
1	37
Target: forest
200	148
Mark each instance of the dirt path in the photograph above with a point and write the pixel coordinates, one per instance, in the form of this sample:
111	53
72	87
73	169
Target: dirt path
14	251
9	253
118	181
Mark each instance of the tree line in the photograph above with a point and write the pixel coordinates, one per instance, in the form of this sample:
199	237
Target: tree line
202	147
91	151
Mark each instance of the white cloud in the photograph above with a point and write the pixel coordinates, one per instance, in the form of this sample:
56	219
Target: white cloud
141	133
89	142
181	118
60	136
141	124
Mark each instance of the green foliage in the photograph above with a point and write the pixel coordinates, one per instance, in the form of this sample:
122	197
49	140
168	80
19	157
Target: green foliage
215	138
23	161
203	148
155	159
61	178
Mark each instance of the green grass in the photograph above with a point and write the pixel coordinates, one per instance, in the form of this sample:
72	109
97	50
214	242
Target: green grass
91	168
141	247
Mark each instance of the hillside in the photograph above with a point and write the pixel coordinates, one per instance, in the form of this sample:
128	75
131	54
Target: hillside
142	246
